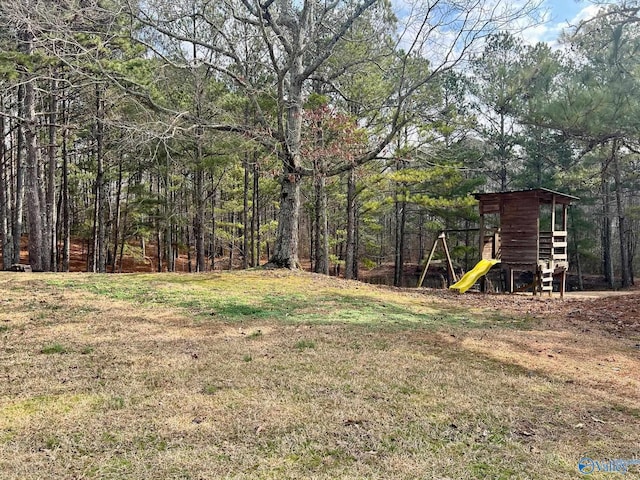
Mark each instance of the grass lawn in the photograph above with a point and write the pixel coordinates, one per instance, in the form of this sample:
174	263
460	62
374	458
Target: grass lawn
276	375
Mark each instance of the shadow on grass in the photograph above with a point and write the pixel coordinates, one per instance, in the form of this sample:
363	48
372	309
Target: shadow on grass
356	310
317	307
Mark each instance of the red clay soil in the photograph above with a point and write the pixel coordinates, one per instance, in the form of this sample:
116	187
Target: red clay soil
130	262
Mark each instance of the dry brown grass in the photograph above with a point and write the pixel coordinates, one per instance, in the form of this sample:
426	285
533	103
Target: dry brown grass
146	390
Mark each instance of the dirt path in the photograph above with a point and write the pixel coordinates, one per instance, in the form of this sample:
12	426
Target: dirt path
599	294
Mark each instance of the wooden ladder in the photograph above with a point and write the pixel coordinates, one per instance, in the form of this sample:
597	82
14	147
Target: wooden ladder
545	277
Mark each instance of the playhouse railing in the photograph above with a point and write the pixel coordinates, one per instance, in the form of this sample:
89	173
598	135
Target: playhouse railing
553	246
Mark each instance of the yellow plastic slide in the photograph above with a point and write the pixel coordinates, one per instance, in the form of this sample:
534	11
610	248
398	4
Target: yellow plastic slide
472	276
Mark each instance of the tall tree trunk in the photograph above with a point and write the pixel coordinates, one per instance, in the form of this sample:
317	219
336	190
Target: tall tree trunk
311	227
168	248
99	263
258	219
356	248
4	221
51	176
232	242
400	222
245	215
351	255
579	270
168	206
66	214
467	241
285	251
632	251
255	218
321	222
116	219
18	211
214	230
159	255
401	216
199	230
39	257
159	229
189	254
321	225
200	200
5	195
622	227
607	241
502	153
578	256
632	240
125	226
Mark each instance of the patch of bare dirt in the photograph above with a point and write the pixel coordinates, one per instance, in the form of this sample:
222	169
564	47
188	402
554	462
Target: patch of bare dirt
617	313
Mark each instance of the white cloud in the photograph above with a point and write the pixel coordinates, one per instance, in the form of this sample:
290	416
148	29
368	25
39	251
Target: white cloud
557	21
587	12
546	32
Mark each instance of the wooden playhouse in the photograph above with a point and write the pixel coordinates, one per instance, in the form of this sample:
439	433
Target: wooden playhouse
527	231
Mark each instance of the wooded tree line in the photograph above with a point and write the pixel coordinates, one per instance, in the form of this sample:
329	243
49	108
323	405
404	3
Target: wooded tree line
346	134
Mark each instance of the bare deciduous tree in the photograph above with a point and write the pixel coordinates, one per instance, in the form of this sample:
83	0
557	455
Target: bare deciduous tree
296	41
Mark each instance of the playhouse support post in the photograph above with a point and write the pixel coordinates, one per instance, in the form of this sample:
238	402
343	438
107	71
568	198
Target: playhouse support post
510	280
481	238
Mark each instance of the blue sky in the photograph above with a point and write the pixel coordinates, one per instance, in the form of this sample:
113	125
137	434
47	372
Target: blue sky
560	14
564	10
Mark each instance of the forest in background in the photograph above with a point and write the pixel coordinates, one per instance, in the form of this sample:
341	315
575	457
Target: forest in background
344	135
